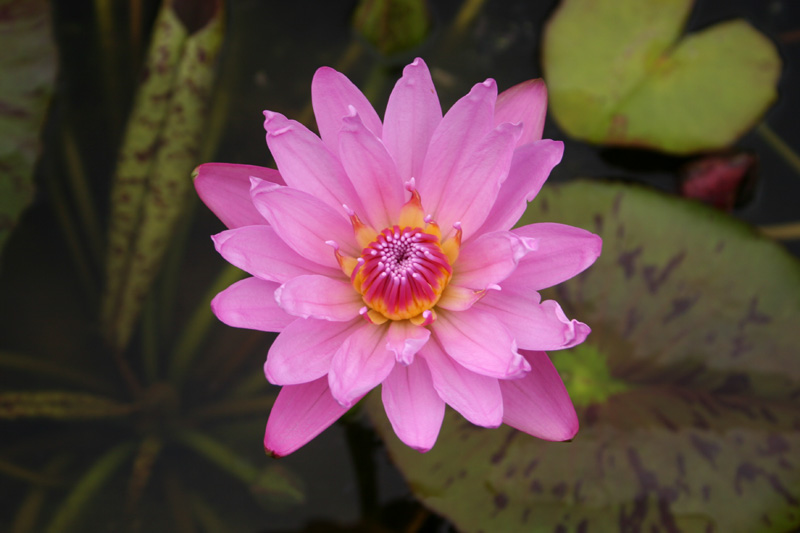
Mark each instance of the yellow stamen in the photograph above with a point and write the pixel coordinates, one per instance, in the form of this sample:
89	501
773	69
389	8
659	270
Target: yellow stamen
412	215
433	228
364	234
373	317
423	319
346	263
452	246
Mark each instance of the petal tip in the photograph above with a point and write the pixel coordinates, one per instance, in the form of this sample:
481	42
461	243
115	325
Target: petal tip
518	366
351	122
531	244
262	186
597	246
325	70
276	124
278	293
566	433
219	240
273	453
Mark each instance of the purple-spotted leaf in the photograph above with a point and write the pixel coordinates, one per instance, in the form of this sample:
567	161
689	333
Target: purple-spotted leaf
686	389
162	140
621	72
28	64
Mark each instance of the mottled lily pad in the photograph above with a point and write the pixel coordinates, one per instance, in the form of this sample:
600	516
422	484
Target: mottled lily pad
620	72
686	389
28	64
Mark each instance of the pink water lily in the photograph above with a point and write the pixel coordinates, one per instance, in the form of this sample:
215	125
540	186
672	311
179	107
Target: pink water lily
383	254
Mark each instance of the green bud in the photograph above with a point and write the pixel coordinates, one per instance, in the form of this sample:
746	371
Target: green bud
392	26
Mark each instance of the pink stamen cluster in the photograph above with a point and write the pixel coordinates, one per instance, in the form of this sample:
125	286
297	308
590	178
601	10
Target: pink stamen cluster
402	273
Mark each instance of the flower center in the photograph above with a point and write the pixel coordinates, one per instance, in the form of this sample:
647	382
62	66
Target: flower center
403	270
402	273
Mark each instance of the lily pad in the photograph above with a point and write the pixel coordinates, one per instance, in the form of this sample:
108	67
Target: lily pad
620	72
686	389
28	64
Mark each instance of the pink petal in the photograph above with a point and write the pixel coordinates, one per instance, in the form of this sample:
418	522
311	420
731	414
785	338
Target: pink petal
259	251
332	94
300	413
534	325
304	349
539	404
412	114
319	297
412	405
530	168
225	189
489	259
525	102
306	163
250	304
480	342
404	340
476	181
457	136
304	222
564	251
475	396
372	171
360	364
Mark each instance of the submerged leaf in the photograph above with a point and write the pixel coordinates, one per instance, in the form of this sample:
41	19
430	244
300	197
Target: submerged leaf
51	369
274	482
689	415
59	405
87	487
153	176
28	64
148	451
620	73
30	510
207	515
34	478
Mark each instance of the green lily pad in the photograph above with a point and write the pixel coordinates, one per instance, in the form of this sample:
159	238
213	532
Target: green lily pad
621	73
686	389
28	64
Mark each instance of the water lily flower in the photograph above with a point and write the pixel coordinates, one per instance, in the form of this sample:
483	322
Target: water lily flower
382	252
